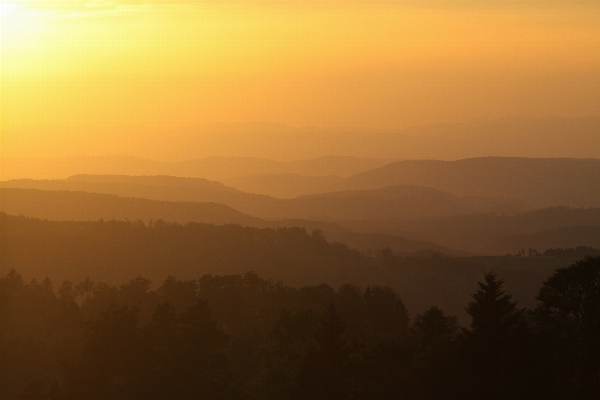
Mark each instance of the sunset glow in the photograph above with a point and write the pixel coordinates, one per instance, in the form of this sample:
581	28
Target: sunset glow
299	199
98	77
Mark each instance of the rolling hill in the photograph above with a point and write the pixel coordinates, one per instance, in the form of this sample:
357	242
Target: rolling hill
81	206
283	186
543	182
496	234
406	201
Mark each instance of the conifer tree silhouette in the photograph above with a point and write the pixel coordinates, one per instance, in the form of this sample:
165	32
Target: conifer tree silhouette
492	311
493	346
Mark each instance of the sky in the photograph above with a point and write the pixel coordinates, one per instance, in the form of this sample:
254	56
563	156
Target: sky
113	77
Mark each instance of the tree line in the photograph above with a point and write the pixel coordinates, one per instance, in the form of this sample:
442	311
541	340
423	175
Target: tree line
241	336
115	251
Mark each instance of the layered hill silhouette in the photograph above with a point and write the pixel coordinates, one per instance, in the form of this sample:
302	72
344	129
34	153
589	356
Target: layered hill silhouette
283	186
80	206
61	205
407	201
466	206
457	234
543	182
114	250
567	237
496	234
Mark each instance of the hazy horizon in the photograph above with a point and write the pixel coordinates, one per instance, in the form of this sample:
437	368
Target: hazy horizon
172	80
514	136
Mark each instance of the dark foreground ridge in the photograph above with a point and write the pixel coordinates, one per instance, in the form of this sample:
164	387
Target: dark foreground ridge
114	251
232	337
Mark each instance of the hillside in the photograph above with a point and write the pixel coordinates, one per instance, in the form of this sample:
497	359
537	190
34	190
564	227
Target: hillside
398	201
284	186
541	182
407	201
496	234
81	206
114	251
565	237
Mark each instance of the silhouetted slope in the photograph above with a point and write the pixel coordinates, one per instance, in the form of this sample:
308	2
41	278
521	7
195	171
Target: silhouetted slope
365	242
65	206
397	201
162	188
565	237
539	182
408	201
282	185
487	233
115	250
80	206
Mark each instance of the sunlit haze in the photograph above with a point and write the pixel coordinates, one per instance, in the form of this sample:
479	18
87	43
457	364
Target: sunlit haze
310	199
126	77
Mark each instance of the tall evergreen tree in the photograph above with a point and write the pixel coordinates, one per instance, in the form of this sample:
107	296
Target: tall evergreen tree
433	327
492	311
495	351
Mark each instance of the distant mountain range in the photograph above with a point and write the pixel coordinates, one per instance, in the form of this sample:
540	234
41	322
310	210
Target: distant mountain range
80	206
480	205
283	186
495	234
233	150
61	205
213	168
540	182
406	201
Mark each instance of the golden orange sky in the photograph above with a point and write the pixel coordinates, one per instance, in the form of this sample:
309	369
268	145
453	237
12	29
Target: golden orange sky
109	77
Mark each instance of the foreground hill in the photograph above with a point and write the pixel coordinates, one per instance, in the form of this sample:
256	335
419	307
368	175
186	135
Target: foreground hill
407	201
81	206
114	251
539	182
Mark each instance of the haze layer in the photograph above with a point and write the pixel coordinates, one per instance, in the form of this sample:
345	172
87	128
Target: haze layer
126	77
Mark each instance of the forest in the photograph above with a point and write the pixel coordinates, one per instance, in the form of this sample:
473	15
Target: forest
114	251
244	337
299	200
370	287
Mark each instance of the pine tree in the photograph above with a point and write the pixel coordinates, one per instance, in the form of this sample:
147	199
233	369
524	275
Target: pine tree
494	314
433	327
495	348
